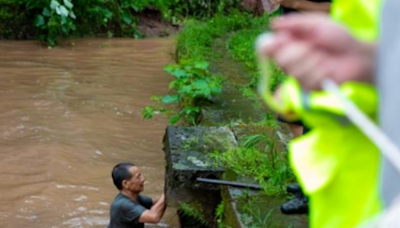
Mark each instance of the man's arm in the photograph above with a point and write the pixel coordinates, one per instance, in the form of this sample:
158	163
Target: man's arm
156	199
155	213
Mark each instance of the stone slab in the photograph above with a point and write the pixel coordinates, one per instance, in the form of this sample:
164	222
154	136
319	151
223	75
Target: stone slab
189	154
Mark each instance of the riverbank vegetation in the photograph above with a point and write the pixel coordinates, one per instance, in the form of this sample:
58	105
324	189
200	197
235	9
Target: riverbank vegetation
195	85
53	20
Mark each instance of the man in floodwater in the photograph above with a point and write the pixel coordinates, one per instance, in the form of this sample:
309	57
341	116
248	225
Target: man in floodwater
130	209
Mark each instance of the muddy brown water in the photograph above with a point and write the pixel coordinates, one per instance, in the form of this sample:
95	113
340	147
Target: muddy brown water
67	116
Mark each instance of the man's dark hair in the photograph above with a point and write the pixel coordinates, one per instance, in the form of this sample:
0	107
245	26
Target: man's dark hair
121	172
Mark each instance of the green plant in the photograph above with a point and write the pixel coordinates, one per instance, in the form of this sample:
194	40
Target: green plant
195	41
29	18
55	21
265	144
270	120
219	215
191	143
241	48
193	85
257	157
258	218
179	10
123	15
194	212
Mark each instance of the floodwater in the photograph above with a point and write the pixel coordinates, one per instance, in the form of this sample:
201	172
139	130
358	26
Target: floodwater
67	116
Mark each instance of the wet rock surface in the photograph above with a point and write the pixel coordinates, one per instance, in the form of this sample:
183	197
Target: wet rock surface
189	154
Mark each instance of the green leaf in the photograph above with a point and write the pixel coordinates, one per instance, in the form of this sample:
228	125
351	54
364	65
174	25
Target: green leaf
135	7
54	4
178	73
172	84
174	119
202	65
155	98
188	68
169	99
61	10
127	17
63	22
64	28
187	89
201	85
107	13
39	20
190	110
169	68
216	89
148	112
46	12
72	15
124	3
68	4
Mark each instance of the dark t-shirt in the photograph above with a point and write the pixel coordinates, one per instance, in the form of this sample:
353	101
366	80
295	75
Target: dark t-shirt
288	10
125	213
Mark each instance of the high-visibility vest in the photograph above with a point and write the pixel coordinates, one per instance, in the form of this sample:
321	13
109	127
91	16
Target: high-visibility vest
359	16
336	164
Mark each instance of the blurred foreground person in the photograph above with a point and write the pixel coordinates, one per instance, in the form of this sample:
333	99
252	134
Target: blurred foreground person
299	204
350	185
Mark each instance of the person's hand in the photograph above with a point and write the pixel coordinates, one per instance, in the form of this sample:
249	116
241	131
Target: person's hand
291	4
312	48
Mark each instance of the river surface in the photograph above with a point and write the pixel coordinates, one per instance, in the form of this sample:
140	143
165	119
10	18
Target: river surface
67	116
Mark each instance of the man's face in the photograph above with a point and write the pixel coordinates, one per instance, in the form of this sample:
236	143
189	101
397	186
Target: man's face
136	182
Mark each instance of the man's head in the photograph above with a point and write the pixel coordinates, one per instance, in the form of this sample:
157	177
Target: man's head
127	176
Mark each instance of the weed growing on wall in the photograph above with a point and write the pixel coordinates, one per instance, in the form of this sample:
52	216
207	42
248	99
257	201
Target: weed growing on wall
258	158
193	85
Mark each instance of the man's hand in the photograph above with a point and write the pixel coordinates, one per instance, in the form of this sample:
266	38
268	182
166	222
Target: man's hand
312	48
155	213
156	199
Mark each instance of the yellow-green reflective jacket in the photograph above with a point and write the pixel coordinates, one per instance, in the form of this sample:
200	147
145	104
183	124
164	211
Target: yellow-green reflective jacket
335	163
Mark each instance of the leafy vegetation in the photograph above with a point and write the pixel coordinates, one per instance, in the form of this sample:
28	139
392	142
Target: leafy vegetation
258	158
194	48
194	214
193	85
195	41
55	21
258	219
52	20
255	214
241	48
219	215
